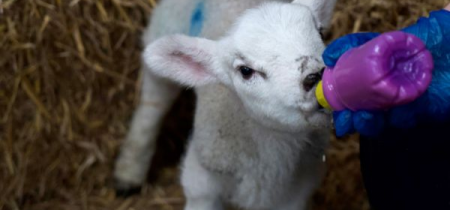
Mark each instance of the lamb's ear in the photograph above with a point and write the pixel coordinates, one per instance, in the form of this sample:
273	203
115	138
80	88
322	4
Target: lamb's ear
186	60
322	10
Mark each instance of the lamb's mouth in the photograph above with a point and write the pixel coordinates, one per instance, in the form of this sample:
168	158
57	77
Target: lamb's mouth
322	109
313	108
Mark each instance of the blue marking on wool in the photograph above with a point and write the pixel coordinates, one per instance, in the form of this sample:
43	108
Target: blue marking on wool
197	19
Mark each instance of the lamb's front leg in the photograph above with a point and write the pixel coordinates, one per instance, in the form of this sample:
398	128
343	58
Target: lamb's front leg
137	150
201	188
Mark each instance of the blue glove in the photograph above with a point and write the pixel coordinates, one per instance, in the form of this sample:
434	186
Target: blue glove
341	45
432	106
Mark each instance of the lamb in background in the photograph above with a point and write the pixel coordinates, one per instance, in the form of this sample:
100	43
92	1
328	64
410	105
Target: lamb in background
259	134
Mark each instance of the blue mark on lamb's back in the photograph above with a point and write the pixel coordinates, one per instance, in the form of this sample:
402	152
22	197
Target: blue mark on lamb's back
197	19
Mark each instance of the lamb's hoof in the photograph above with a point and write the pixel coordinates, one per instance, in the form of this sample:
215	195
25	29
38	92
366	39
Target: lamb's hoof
124	189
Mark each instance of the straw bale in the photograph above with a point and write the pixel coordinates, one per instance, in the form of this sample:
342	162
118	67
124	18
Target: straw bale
69	82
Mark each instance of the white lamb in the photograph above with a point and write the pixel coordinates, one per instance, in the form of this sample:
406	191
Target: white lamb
259	134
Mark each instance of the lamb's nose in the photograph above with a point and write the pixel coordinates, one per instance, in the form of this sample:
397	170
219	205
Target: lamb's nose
311	80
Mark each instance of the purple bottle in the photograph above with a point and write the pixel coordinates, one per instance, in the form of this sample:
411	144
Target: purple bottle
391	70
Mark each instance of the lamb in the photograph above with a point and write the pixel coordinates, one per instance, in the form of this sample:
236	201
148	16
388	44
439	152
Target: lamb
259	134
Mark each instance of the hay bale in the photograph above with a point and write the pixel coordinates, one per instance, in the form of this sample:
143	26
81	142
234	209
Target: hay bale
68	84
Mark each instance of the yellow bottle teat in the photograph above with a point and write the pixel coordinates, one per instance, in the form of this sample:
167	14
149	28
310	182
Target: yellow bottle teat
321	96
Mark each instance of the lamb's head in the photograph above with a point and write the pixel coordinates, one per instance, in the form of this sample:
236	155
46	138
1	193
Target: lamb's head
271	59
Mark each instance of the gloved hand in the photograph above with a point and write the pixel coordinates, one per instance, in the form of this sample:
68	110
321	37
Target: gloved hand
433	105
347	121
390	70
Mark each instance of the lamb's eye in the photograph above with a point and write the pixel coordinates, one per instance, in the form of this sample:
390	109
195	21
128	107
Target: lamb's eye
246	72
311	80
